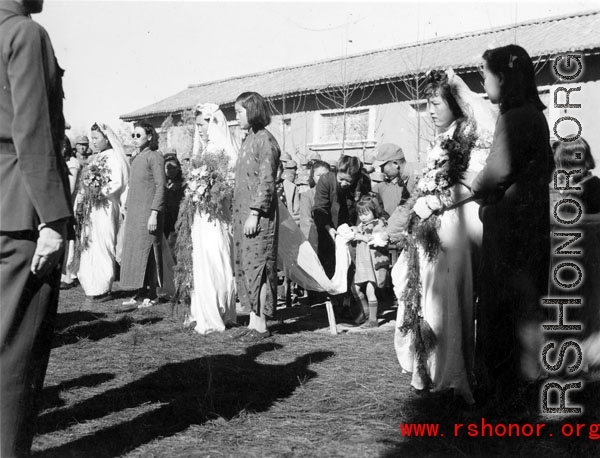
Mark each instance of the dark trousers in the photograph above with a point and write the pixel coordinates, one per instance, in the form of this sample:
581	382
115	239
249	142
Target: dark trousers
27	311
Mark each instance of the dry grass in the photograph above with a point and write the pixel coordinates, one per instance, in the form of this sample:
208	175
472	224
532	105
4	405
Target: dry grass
139	385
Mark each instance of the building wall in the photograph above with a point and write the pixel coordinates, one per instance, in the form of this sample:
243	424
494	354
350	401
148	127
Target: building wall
400	120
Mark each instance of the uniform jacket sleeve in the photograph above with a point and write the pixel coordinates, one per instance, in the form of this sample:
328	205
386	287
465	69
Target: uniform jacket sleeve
398	222
293	199
32	71
306	218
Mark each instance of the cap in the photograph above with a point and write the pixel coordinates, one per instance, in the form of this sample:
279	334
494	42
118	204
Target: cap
314	156
377	177
285	157
82	139
386	153
290	165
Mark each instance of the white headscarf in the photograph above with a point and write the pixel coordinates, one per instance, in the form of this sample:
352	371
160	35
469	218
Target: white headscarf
219	136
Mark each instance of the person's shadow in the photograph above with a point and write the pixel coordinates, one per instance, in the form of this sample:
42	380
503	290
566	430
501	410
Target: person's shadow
51	395
97	329
192	392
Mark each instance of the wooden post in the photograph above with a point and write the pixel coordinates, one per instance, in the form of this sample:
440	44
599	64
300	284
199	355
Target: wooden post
331	318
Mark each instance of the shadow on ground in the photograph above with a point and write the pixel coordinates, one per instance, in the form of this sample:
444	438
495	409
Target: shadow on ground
189	395
51	395
97	329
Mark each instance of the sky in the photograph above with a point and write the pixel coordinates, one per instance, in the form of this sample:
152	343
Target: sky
123	55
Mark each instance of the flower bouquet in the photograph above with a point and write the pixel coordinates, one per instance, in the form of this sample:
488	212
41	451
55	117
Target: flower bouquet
95	178
208	184
446	165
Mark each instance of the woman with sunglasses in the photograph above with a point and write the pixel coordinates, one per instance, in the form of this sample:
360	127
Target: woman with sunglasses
141	261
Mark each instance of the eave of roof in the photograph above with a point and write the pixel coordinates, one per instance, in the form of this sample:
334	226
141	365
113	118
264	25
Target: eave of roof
377	66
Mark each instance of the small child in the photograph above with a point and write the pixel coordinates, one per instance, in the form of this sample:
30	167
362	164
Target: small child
372	257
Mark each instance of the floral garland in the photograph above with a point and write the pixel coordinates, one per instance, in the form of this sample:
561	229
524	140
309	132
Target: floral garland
447	163
94	178
208	183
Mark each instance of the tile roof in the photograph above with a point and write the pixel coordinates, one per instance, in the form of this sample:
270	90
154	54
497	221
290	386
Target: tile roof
542	37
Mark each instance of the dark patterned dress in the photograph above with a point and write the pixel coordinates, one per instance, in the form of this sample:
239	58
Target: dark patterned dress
255	258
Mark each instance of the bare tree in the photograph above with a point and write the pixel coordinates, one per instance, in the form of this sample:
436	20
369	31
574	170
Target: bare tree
410	87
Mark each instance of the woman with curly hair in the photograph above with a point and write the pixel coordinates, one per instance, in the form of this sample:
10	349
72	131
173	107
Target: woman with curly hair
434	278
141	261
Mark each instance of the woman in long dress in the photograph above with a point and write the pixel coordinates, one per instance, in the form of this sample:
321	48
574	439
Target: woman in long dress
256	214
141	259
97	260
436	343
513	190
213	295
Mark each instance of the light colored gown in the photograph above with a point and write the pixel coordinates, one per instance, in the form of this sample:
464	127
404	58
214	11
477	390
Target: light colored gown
97	264
447	300
213	296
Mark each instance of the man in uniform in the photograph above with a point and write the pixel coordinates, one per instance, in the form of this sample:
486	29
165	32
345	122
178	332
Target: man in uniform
82	149
35	210
390	160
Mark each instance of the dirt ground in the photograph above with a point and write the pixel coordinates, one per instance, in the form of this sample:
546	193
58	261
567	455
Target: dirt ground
138	384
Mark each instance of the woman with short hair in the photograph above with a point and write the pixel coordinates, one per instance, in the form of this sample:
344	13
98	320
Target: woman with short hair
256	214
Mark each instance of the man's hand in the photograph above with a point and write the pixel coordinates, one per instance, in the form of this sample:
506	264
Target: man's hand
50	248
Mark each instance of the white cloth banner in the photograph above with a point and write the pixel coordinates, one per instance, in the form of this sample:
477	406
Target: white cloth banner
297	259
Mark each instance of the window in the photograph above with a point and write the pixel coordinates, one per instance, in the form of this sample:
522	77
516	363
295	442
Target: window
329	127
332	126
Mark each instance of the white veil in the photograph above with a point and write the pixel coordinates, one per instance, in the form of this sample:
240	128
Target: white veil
474	106
219	136
115	143
483	113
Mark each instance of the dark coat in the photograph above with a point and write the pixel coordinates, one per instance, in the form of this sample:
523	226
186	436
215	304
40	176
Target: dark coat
513	189
334	207
34	184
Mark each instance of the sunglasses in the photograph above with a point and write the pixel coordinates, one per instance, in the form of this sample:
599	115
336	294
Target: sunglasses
136	135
